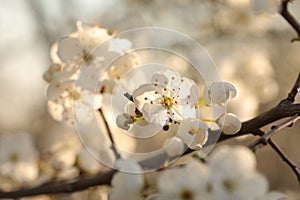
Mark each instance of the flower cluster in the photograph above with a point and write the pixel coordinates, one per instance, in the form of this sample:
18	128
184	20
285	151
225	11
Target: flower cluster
229	174
78	66
170	99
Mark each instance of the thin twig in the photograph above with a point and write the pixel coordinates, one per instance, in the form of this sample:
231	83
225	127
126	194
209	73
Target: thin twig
253	125
285	158
113	147
290	18
263	140
292	95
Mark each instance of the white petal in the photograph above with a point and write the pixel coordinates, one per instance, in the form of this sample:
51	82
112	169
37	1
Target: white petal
124	121
166	78
154	113
193	140
145	94
130	109
56	89
121	180
229	123
119	45
144	129
128	166
219	92
87	163
273	196
174	146
70	50
55	110
225	158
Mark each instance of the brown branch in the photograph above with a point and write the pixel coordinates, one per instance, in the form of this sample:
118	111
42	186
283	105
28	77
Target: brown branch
263	140
253	125
290	18
266	139
285	158
63	186
113	147
292	95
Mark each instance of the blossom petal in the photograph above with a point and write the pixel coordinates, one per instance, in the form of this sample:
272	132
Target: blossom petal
219	93
174	146
229	123
193	132
155	114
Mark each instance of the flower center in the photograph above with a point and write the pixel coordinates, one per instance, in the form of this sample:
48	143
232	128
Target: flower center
194	131
74	95
167	102
186	195
230	185
13	157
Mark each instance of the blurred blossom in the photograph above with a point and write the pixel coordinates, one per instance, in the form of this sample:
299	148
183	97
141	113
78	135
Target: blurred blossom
18	157
188	182
70	95
95	193
174	146
128	182
234	176
87	163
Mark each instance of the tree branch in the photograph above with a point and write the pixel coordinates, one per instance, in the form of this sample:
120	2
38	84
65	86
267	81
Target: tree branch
263	140
80	183
290	18
285	158
113	147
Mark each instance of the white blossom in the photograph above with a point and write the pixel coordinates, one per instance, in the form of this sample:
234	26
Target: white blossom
18	157
87	163
170	96
193	132
219	93
124	121
128	182
77	47
188	182
119	45
272	196
174	146
234	176
229	123
67	101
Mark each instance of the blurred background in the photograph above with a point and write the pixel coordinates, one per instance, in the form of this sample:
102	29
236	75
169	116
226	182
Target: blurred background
248	41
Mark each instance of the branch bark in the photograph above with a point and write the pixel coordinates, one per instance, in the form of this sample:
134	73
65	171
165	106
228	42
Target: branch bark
290	18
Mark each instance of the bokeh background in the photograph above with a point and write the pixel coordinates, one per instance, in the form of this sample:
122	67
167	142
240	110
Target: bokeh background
248	41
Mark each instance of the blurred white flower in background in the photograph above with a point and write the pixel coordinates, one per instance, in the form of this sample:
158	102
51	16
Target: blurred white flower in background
230	173
75	74
128	182
18	157
234	175
188	182
174	146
